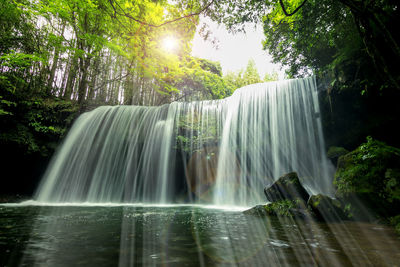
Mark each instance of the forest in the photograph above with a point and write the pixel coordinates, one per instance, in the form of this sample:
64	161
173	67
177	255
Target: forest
107	52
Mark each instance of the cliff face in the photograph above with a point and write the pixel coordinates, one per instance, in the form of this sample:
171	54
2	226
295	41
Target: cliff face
350	113
30	132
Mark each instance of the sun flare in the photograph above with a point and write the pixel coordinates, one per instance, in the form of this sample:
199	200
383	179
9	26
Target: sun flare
170	44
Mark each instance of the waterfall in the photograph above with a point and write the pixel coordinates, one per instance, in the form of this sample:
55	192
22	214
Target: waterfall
221	152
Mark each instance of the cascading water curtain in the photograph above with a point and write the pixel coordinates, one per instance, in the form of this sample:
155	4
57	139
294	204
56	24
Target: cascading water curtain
271	129
220	152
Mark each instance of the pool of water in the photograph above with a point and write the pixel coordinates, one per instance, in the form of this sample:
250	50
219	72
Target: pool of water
145	235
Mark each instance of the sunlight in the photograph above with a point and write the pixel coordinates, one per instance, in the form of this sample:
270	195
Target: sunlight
170	44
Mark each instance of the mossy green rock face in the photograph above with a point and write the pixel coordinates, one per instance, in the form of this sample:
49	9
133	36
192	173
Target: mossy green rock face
395	221
287	208
287	187
371	174
326	208
335	152
283	208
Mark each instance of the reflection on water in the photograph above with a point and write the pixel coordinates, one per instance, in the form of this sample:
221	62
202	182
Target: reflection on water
184	236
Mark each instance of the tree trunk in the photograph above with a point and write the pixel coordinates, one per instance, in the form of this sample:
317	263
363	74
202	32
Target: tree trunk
82	90
95	71
69	88
54	65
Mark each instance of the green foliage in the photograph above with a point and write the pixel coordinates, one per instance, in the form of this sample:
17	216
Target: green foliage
200	79
19	60
194	134
211	66
372	173
302	42
102	51
109	52
281	208
247	76
5	104
270	77
251	75
35	125
346	38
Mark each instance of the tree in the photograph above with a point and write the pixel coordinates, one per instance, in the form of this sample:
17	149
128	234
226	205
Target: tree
202	79
243	77
250	75
336	35
97	51
271	77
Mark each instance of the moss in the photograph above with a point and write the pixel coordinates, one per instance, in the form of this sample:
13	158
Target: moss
327	209
372	174
290	179
395	222
281	208
335	151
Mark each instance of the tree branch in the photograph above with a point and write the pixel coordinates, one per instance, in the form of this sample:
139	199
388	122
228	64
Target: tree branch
294	12
110	81
156	25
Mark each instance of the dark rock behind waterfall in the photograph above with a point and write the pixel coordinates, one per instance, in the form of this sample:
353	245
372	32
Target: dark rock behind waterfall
287	187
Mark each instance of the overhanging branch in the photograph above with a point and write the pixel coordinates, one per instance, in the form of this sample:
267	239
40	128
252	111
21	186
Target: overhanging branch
155	25
292	13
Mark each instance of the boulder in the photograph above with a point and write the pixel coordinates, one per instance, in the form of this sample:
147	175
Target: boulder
326	208
258	210
287	208
283	208
287	187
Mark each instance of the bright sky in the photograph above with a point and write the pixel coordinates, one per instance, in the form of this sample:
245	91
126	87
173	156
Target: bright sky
235	50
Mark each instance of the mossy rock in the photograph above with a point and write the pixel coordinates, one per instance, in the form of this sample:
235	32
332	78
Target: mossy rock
326	208
287	187
395	222
334	152
258	210
287	208
283	208
371	175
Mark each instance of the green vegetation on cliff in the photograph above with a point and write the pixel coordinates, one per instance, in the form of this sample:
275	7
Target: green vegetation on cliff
371	173
36	125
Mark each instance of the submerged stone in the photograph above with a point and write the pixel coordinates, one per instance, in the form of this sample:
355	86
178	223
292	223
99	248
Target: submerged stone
287	187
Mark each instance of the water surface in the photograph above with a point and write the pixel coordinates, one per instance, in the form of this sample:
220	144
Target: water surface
134	235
